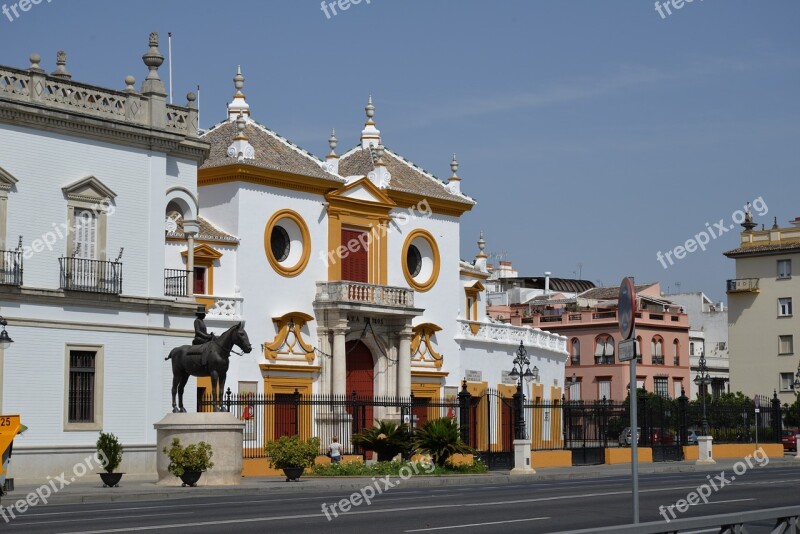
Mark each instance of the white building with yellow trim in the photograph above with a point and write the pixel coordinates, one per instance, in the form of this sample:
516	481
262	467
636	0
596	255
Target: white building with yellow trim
347	272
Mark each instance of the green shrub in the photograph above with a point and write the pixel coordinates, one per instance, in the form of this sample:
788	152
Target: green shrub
109	449
440	438
354	469
387	440
288	452
194	457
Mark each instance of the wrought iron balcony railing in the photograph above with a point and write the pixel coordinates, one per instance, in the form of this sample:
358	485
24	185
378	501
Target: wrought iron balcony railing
11	267
175	282
94	276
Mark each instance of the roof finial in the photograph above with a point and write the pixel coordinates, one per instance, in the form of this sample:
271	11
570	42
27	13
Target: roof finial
379	154
61	66
153	59
775	224
370	109
332	142
748	223
35	58
454	168
481	247
240	125
370	135
238	106
241	149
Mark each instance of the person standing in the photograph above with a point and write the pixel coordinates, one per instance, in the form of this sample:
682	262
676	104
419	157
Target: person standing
335	450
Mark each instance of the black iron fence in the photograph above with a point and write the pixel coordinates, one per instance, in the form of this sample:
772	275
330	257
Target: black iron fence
175	282
268	417
11	267
487	421
94	276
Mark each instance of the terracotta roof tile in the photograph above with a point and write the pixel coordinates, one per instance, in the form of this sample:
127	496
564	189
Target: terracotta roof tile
207	230
763	249
406	176
272	151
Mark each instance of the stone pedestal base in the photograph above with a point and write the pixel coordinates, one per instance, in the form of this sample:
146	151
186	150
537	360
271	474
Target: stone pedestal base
705	455
221	430
522	458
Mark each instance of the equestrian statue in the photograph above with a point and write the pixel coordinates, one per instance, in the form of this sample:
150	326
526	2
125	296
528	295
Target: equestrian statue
208	355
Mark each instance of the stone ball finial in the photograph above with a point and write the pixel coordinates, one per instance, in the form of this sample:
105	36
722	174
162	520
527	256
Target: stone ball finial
332	141
191	96
35	58
240	124
481	243
370	109
129	82
379	151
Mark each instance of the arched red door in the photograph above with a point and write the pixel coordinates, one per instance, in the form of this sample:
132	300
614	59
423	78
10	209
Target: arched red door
360	378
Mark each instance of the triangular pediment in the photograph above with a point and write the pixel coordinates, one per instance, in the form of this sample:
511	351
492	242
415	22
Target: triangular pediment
362	190
204	251
88	189
7	181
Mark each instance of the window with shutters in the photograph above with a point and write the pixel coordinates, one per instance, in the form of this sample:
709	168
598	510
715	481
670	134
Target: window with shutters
355	262
83	406
661	386
604	389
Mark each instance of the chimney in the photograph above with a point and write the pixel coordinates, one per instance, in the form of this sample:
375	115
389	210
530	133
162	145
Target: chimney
547	283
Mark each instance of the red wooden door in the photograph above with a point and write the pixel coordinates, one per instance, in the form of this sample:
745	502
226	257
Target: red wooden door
199	281
360	378
355	265
285	415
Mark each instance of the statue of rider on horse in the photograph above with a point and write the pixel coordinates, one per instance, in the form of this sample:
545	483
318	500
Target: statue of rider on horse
208	355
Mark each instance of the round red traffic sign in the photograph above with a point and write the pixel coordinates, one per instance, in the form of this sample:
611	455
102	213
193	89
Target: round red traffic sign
627	307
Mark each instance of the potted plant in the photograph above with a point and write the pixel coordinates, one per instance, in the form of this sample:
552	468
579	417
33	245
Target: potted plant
292	455
189	462
109	449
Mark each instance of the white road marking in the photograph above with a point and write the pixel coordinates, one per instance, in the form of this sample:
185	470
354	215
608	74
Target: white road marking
82	520
478	524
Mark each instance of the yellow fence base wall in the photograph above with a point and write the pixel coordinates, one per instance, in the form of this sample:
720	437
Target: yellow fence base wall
551	459
623	455
259	467
740	450
691	452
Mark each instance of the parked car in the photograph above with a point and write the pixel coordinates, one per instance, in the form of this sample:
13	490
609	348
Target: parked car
691	436
625	436
789	440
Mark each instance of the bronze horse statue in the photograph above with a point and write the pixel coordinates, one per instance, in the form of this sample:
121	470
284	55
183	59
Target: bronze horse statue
209	359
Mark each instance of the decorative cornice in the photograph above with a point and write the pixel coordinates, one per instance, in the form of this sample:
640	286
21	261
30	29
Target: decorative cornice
287	368
266	177
77	125
438	205
102	191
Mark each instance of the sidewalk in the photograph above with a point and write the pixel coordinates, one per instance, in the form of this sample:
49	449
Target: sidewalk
89	489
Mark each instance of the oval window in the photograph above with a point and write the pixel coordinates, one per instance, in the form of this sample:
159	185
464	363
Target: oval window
280	243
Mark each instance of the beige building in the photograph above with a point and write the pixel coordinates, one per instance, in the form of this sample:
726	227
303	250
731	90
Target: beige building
763	329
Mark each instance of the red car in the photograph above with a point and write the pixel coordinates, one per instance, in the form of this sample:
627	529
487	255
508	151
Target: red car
789	440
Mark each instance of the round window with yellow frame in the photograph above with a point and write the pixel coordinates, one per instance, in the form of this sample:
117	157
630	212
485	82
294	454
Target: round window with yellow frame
420	260
287	243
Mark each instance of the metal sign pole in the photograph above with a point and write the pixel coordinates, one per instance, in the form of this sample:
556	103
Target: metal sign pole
634	401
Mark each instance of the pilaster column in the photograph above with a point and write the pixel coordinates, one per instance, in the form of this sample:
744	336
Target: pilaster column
326	362
190	229
404	364
339	378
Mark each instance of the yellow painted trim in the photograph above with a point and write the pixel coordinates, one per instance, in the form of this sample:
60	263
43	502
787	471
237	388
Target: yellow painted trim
556	431
298	267
437	205
204	241
551	459
287	385
286	368
623	455
205	256
691	452
265	177
421	345
426	389
272	350
433	374
478	389
431	281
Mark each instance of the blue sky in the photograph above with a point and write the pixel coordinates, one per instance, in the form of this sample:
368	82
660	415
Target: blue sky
592	133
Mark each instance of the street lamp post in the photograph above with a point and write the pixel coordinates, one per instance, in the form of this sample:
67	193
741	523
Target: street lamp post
521	370
5	339
703	379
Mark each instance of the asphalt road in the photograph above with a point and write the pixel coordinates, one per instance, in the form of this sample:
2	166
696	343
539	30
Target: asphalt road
535	506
